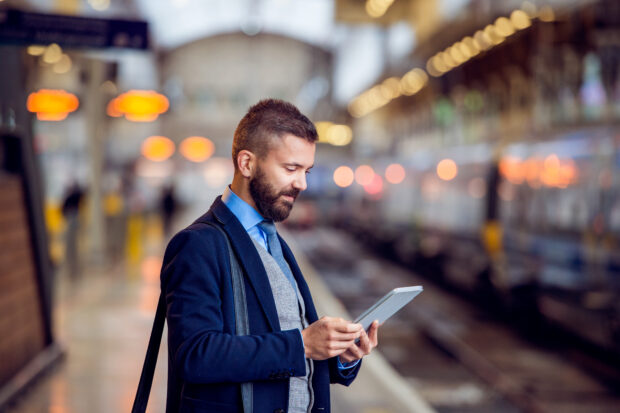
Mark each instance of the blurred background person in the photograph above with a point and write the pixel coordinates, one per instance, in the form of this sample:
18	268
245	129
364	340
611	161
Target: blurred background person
71	212
169	206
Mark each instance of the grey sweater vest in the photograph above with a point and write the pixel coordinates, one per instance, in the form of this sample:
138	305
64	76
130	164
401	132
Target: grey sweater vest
291	314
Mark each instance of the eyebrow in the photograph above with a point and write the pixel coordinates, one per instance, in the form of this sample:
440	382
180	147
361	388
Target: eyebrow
298	165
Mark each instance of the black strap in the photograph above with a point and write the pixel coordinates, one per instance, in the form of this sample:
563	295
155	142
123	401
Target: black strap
242	328
148	370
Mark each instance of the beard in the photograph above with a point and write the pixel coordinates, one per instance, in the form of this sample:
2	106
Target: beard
267	198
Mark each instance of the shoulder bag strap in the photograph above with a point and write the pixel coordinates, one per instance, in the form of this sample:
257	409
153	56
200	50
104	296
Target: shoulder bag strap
146	378
242	328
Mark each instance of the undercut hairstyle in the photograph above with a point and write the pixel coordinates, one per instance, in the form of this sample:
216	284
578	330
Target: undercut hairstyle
266	121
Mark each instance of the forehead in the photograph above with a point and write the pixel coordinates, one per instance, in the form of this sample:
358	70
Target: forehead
292	149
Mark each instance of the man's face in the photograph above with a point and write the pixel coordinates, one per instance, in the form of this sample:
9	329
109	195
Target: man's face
281	176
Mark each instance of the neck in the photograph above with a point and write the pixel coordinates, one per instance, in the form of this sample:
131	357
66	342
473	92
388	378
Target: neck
241	187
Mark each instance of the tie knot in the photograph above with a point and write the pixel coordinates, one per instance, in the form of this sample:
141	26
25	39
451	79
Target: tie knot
268	226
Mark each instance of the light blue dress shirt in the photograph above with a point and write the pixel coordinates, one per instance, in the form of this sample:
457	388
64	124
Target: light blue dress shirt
250	218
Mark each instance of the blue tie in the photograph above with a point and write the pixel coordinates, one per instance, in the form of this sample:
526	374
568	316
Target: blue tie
276	250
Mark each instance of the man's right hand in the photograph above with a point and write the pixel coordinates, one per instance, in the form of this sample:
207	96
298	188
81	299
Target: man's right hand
329	337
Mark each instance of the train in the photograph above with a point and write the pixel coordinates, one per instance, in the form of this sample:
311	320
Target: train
529	229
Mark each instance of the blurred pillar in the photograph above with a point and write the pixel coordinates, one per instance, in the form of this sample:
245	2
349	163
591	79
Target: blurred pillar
27	345
96	129
15	120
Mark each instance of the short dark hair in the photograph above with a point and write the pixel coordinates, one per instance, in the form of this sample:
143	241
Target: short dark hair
267	119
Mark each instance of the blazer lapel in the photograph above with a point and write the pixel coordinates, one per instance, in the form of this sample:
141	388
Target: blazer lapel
301	282
250	260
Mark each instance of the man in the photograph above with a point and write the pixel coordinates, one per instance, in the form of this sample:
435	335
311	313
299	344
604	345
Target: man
290	356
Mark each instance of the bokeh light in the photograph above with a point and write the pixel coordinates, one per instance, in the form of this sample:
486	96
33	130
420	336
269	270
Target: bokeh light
321	129
36	50
520	19
63	65
377	8
334	134
513	169
375	187
157	148
339	135
197	148
52	54
364	175
447	169
343	176
395	173
51	104
139	105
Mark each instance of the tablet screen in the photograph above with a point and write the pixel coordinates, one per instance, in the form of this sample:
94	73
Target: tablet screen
388	305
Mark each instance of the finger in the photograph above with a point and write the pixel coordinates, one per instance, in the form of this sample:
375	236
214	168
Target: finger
346	357
373	334
356	351
337	336
344	326
340	345
364	343
335	352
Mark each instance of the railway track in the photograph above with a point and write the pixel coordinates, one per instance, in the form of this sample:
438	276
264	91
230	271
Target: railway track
459	358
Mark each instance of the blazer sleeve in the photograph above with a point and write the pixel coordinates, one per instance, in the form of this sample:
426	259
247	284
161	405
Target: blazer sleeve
344	377
200	349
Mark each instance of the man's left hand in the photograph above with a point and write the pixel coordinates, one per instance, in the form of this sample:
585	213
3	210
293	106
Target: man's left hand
367	342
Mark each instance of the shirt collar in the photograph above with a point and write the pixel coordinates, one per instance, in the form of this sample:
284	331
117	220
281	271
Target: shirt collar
247	215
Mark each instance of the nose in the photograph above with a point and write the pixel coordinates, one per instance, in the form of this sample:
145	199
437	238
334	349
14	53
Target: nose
300	181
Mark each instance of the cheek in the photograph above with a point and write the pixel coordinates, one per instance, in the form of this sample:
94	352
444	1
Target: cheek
282	181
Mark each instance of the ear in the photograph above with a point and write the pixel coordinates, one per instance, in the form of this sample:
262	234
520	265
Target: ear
246	162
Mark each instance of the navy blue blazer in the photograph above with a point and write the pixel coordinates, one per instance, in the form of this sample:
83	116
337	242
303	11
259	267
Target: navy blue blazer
206	360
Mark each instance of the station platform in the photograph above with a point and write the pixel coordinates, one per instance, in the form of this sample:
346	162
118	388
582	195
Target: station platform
103	319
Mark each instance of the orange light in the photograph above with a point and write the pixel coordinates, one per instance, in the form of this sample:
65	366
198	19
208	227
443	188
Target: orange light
569	172
512	169
197	148
533	168
139	105
552	162
157	148
112	109
550	174
556	173
52	105
375	187
343	176
447	169
364	175
395	173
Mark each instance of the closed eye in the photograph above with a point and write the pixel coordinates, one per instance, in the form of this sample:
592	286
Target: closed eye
295	167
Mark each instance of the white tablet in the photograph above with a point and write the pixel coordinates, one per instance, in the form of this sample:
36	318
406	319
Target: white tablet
388	305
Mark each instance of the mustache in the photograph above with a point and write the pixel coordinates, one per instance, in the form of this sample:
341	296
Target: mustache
292	192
